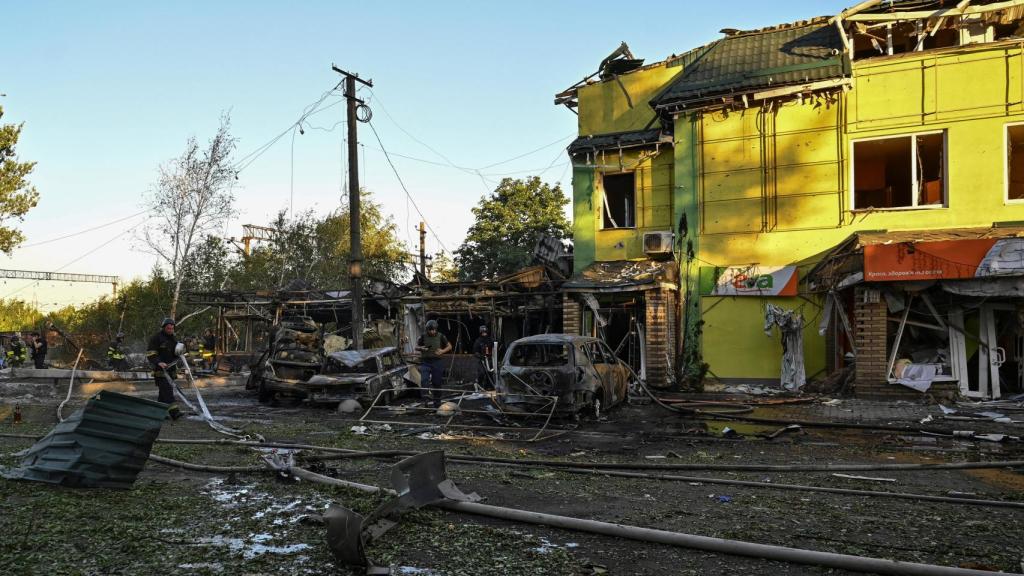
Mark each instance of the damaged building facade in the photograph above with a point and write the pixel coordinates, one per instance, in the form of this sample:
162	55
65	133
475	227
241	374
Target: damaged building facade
862	172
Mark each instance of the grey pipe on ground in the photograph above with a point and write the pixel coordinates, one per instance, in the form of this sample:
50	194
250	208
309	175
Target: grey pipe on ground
719	545
630	465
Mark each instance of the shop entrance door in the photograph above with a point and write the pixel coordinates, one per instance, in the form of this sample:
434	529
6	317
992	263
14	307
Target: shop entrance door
1001	337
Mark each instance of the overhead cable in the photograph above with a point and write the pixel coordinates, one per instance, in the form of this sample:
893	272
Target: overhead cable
406	190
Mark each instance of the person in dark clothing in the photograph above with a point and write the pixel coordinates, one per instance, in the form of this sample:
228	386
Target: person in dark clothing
115	354
432	345
163	357
39	348
482	348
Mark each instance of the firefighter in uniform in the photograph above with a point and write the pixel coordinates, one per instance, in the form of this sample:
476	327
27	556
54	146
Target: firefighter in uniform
208	349
162	357
115	354
17	353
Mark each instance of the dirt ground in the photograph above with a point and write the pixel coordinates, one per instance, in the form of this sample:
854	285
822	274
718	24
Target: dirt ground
175	521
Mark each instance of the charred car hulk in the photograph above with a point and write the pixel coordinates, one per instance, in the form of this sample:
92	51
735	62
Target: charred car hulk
581	372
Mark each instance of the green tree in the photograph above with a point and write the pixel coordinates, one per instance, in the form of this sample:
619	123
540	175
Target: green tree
316	250
443	269
508	225
18	315
17	196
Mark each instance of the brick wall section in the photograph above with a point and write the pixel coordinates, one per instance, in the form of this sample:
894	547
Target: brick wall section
871	331
570	315
661	335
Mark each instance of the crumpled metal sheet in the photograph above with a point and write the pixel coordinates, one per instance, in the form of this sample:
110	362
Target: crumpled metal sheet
419	480
103	445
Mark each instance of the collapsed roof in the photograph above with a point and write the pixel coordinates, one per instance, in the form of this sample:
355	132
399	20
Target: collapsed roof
744	62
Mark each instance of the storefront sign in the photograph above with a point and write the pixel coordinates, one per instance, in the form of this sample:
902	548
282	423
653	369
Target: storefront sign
751	281
947	259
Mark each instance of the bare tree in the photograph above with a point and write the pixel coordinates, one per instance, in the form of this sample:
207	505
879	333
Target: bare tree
192	198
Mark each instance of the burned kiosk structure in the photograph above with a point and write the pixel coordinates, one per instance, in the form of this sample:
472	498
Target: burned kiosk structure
938	311
525	303
286	337
632	306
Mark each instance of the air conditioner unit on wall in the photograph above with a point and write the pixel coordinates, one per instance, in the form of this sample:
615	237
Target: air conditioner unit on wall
658	243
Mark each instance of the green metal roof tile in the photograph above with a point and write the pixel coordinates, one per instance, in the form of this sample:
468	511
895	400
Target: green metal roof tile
756	60
103	445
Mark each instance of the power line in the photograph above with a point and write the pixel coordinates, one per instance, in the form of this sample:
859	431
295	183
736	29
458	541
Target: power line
308	111
406	190
448	162
80	232
90	252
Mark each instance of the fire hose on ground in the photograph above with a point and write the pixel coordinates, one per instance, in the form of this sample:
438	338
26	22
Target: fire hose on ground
710	544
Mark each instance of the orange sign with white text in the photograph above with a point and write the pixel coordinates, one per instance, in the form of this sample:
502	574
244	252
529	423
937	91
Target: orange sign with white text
944	260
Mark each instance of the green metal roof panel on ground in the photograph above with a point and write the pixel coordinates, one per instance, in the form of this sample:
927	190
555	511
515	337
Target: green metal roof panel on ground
103	445
748	61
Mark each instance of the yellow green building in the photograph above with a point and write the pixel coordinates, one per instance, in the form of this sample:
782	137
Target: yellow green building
863	172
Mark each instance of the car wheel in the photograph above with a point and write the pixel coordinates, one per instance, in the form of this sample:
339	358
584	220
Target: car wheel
593	410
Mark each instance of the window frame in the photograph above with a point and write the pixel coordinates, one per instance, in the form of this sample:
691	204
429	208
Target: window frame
915	191
1006	165
604	197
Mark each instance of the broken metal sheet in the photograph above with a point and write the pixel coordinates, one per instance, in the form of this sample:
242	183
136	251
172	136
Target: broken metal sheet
987	288
419	480
102	445
352	358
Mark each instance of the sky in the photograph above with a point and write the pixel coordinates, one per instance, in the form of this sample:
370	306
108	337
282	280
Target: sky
109	91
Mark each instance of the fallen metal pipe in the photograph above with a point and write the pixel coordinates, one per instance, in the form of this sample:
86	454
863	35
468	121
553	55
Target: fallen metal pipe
615	473
721	481
634	465
801	488
204	467
720	545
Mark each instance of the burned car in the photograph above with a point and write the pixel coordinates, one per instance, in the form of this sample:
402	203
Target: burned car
357	375
294	356
296	366
580	371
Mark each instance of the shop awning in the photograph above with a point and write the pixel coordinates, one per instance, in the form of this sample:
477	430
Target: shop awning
951	255
625	276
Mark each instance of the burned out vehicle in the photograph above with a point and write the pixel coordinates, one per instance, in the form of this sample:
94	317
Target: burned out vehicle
580	371
296	366
293	357
357	375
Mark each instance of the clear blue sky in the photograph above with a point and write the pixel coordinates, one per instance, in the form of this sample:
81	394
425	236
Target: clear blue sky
110	90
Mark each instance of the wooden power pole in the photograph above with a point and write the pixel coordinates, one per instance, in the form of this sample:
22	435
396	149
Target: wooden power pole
355	266
423	249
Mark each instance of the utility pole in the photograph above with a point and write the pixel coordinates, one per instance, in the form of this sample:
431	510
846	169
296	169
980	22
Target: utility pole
423	249
355	267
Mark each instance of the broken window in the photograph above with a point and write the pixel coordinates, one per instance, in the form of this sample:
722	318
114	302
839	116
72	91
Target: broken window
900	172
619	200
530	354
1015	162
